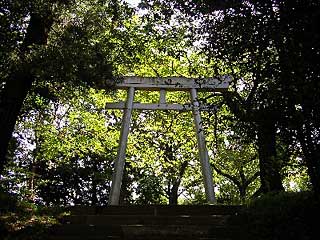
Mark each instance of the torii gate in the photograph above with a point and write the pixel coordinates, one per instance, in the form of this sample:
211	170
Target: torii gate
164	84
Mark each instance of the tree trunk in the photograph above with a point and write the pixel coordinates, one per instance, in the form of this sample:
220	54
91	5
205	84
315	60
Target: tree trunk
32	182
94	189
313	164
12	98
124	191
20	81
311	153
173	195
269	164
242	186
299	59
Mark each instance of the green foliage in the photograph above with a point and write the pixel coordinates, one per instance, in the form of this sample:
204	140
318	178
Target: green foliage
271	49
62	150
86	51
162	150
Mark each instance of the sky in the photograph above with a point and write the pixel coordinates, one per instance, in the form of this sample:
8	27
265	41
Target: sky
133	3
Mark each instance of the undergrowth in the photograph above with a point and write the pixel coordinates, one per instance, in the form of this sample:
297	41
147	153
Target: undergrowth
24	220
282	216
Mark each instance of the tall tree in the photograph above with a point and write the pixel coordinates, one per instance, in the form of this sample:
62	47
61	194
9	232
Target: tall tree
235	35
19	78
298	43
273	48
55	41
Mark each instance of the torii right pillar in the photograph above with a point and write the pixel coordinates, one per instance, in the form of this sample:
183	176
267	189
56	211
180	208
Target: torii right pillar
203	152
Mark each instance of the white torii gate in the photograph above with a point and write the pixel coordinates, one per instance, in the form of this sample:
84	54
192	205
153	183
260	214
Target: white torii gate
165	84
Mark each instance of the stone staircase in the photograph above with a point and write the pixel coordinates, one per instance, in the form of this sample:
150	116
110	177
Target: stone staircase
148	223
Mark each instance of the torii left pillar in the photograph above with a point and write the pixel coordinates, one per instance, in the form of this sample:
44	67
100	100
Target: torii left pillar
120	161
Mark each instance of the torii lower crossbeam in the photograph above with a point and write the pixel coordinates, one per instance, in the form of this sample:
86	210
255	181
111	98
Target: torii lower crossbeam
163	85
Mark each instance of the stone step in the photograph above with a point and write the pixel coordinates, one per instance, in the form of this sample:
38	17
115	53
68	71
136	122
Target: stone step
134	231
155	222
84	230
146	220
210	238
172	238
191	231
136	238
156	210
83	238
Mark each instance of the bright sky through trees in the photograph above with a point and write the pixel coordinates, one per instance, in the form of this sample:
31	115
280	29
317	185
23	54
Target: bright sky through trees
133	3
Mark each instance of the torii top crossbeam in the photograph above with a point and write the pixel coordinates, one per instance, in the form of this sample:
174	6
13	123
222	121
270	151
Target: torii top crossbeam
219	84
176	83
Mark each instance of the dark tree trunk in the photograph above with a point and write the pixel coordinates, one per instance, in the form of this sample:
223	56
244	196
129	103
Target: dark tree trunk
94	189
311	153
32	181
19	82
266	130
242	193
269	164
124	191
173	191
313	164
299	58
12	98
243	186
173	196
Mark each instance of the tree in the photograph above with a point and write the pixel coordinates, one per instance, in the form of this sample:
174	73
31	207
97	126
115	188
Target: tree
280	58
251	64
234	154
166	147
56	41
299	48
245	39
19	80
65	151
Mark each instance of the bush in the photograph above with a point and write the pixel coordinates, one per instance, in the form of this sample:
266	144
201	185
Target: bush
7	202
282	216
21	219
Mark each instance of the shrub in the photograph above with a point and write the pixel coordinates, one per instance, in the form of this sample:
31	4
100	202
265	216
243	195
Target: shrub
282	216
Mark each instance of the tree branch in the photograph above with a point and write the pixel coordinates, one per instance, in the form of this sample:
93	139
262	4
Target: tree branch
229	176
